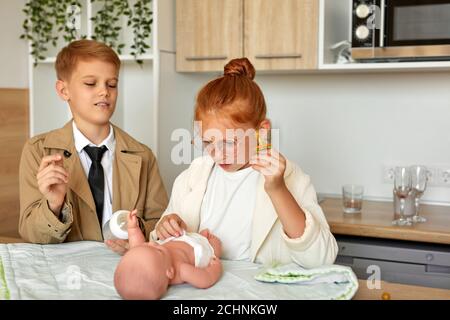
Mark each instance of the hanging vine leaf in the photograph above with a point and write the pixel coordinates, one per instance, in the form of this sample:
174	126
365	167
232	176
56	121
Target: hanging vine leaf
107	22
45	21
141	23
48	20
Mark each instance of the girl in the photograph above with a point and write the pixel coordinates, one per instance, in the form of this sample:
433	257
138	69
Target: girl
262	206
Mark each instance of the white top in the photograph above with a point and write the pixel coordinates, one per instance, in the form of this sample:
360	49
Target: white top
227	210
269	244
107	162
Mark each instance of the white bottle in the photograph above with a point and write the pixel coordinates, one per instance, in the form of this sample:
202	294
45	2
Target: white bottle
116	227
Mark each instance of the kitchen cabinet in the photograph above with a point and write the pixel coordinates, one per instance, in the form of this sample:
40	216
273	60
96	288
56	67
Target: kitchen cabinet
274	35
281	35
209	33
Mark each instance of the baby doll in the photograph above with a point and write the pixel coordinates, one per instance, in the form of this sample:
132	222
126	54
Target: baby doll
148	268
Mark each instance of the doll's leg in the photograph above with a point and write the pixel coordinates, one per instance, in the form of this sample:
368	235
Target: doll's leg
213	241
135	235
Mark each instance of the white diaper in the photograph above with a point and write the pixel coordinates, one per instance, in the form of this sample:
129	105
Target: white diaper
203	251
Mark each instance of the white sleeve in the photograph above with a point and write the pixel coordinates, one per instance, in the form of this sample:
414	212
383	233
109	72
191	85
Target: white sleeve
317	246
179	188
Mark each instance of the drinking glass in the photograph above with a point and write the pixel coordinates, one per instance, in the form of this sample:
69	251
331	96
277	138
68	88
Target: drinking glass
419	180
352	196
402	188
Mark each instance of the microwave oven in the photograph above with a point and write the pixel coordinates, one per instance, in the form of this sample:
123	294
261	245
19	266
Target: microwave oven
400	30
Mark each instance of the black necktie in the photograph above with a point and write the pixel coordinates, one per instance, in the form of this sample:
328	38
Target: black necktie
96	178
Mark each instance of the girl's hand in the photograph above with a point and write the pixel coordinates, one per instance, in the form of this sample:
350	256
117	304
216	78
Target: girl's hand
272	165
171	225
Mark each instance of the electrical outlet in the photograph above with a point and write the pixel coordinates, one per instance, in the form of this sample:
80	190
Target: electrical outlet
443	176
432	176
388	173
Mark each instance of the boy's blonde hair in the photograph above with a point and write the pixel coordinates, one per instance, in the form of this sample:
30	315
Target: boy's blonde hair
86	50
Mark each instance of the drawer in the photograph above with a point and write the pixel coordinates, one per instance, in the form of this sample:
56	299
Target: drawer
406	273
436	255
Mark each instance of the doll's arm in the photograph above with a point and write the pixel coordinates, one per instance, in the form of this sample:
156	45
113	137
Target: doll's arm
135	235
201	277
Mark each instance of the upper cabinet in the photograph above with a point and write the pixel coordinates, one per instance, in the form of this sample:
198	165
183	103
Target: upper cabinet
281	35
209	33
274	35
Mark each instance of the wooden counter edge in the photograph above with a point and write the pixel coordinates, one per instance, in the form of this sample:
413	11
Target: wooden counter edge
382	232
398	291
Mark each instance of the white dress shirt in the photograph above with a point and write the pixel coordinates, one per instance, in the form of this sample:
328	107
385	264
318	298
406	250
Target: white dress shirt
107	162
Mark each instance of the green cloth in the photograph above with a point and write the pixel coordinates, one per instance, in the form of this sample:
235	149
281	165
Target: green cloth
4	292
294	274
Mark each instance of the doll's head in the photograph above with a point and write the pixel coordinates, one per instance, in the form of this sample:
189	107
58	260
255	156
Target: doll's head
144	272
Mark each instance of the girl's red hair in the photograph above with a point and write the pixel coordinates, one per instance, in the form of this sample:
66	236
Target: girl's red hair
234	95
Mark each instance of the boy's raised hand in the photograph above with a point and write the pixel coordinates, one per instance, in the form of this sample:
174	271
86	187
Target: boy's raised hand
52	181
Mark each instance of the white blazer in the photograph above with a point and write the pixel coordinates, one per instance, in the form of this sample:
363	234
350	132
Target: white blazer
270	245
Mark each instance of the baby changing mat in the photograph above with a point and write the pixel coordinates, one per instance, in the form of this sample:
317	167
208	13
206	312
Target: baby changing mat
85	270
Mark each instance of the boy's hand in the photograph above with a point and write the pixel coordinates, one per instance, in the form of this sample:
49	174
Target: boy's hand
272	165
118	246
52	180
171	225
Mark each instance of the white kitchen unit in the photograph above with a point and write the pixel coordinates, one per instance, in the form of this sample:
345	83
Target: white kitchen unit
335	26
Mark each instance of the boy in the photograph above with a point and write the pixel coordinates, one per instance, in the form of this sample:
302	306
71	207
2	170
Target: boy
72	179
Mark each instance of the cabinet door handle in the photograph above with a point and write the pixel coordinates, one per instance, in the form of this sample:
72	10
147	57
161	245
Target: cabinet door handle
201	58
278	56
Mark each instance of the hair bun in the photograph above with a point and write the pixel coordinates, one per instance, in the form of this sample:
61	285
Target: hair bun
240	67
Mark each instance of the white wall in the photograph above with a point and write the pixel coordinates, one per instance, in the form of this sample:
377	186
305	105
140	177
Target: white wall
340	128
344	128
13	51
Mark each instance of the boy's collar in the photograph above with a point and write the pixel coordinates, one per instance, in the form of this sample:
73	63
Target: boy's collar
63	139
82	141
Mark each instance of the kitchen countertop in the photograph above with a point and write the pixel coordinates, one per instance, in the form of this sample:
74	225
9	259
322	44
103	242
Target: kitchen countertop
375	220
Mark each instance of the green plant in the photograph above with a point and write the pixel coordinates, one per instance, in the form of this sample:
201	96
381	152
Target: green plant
141	22
47	20
107	22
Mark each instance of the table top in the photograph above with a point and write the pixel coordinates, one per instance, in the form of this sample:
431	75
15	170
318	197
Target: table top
375	220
